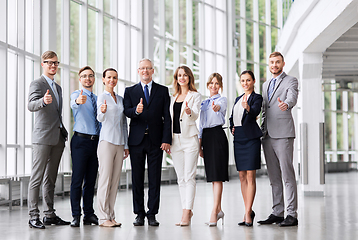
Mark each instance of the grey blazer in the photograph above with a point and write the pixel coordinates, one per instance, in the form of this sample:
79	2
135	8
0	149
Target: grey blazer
277	123
47	121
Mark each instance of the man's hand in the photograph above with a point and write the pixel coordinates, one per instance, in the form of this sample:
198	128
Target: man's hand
140	106
47	97
283	106
81	98
104	107
165	147
126	153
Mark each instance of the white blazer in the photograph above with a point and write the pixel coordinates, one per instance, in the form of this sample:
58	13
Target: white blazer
188	126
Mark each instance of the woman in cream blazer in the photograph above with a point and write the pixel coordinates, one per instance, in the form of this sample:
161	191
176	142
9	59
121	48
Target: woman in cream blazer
184	110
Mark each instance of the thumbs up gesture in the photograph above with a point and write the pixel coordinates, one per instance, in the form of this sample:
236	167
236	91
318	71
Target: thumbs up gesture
140	106
47	97
282	105
81	98
215	107
104	107
187	109
244	103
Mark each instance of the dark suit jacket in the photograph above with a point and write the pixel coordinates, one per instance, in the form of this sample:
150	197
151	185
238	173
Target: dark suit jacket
248	121
155	114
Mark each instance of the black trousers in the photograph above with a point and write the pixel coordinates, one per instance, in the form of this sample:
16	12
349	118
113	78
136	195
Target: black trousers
154	156
84	174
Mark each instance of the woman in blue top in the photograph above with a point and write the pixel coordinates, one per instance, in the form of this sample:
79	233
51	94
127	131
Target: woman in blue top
112	148
247	144
214	145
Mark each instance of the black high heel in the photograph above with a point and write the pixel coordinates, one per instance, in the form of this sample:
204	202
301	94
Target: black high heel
252	215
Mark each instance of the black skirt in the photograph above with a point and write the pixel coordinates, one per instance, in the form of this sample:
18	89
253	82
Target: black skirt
247	151
216	154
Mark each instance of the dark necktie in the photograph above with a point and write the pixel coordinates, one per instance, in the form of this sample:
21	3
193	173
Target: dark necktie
94	104
271	88
146	93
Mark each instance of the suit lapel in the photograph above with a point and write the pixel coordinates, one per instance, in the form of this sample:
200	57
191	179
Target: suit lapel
277	84
140	93
153	91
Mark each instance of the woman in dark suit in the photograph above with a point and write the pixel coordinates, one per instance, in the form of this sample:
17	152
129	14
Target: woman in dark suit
247	144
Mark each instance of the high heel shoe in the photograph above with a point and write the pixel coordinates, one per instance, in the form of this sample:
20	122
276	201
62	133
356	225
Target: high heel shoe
184	224
221	215
243	222
252	215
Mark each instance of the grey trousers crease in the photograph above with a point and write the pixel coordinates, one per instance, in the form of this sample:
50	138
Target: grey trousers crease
279	159
45	164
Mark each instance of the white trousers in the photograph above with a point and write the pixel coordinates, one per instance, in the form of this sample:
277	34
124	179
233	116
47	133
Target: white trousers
110	159
185	153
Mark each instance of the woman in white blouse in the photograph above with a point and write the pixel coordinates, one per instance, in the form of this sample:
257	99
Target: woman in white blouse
184	110
112	148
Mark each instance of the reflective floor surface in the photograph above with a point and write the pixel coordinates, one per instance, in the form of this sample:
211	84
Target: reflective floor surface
333	216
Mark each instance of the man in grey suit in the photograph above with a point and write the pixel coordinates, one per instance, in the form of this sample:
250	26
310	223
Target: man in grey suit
279	97
48	140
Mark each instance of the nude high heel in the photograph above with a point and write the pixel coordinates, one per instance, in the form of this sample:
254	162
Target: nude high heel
221	215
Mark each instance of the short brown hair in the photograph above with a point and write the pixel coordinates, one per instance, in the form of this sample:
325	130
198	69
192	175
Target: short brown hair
277	54
191	84
85	68
218	77
47	55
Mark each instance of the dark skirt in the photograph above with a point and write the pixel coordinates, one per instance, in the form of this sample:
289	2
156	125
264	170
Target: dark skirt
216	154
247	151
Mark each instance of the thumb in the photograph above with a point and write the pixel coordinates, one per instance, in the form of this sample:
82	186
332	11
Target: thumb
81	92
48	92
141	100
213	104
186	103
105	102
278	99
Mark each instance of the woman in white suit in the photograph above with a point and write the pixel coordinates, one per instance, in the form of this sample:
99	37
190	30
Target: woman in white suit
184	109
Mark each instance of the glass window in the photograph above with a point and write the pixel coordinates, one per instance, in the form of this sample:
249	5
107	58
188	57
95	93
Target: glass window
122	63
195	23
92	3
221	5
274	37
351	131
220	31
249	7
156	16
12	23
91	39
209	41
75	34
262	9
136	13
107	6
340	133
274	12
122	10
135	53
328	130
182	21
237	7
58	28
29	24
169	62
11	99
183	55
249	41
169	18
107	42
29	77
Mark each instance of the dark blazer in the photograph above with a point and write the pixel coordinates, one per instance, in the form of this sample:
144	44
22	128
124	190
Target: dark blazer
155	114
248	121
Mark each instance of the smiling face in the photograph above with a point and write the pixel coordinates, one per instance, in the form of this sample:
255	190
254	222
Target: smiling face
214	87
276	65
183	78
110	80
145	71
247	82
87	79
49	71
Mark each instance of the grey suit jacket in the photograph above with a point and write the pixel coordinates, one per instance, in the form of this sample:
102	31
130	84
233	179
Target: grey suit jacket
277	123
47	121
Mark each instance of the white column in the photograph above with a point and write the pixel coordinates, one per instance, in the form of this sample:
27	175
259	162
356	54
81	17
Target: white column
256	44
148	29
48	12
334	120
83	35
189	33
355	136
310	65
243	54
345	125
268	34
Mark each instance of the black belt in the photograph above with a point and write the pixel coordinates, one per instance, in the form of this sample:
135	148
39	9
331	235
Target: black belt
92	137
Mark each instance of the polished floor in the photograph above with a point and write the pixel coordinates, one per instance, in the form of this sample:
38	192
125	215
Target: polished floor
334	216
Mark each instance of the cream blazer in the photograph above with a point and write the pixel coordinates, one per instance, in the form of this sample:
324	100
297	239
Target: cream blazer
188	126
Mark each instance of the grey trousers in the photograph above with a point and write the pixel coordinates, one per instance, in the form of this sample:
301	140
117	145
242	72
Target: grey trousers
45	164
279	159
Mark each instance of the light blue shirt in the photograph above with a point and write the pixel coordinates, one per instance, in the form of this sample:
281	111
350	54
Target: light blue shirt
83	114
209	118
114	122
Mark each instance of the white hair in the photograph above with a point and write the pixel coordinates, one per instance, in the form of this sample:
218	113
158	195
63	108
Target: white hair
146	59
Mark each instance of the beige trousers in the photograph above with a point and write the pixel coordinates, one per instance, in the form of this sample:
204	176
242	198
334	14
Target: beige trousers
110	159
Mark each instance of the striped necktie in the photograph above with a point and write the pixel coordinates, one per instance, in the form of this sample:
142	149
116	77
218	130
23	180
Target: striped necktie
94	104
271	88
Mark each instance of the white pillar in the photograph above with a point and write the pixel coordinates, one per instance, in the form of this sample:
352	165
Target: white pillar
310	79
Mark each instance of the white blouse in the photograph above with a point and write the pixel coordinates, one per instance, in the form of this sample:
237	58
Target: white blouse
114	123
238	112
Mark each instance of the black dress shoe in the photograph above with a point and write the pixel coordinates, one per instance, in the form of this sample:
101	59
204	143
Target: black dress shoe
271	219
76	221
139	221
289	221
36	223
152	221
90	220
55	220
252	215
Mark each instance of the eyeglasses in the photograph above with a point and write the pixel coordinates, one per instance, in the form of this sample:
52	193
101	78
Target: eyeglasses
146	68
50	63
87	76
